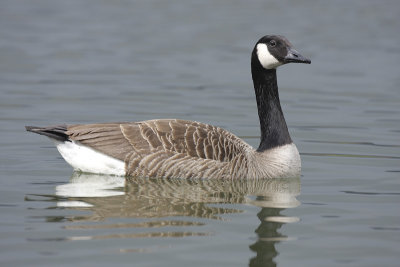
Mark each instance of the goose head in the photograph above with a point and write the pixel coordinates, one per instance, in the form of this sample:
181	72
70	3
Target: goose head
272	51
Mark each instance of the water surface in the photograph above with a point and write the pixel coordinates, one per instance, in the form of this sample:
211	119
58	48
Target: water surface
99	61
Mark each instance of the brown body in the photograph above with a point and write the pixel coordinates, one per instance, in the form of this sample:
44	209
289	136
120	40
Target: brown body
167	148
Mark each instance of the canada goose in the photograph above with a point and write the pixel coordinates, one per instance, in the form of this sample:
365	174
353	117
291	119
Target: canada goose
189	149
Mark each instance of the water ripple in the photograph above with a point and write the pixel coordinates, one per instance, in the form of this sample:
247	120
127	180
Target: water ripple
371	193
349	155
350	143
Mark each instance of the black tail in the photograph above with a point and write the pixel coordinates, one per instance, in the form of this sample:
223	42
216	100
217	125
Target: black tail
57	132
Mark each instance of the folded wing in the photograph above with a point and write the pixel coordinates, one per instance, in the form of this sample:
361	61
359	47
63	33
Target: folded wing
165	147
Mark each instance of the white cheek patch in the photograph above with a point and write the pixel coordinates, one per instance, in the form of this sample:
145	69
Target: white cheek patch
267	60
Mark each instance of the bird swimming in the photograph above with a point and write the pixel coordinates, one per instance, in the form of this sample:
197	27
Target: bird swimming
173	148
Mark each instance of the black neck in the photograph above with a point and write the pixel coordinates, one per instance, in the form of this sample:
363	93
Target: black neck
274	131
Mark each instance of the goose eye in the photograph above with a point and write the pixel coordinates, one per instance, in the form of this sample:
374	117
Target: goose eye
272	43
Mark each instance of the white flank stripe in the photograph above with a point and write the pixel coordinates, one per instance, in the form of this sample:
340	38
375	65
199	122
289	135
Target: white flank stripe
85	159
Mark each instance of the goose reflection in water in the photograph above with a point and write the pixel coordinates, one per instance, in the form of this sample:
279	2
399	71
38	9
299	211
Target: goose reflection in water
142	198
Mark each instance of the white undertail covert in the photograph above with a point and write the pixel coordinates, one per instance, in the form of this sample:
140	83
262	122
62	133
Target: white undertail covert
85	159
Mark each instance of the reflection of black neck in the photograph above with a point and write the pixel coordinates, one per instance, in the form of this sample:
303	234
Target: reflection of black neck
264	248
274	131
